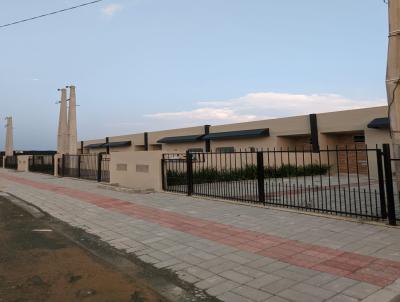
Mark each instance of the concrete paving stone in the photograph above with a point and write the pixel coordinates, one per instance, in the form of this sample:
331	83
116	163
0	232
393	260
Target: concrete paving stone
340	284
148	259
222	288
167	263
179	266
273	267
236	258
276	299
314	290
211	263
262	281
251	293
203	255
395	285
297	296
262	262
321	279
187	277
160	255
236	277
225	266
278	286
210	282
342	298
249	271
383	295
361	290
284	273
231	297
191	259
304	271
199	272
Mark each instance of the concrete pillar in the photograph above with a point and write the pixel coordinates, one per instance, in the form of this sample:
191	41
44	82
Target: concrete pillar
393	79
9	148
62	138
72	128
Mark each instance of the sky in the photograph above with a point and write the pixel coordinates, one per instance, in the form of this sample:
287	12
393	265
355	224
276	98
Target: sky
143	65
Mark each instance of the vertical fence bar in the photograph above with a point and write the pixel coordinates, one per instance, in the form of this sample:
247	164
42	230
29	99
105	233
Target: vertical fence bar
63	165
389	185
189	173
260	176
381	184
79	166
99	159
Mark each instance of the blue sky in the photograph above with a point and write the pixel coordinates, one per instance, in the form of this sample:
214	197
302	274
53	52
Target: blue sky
155	64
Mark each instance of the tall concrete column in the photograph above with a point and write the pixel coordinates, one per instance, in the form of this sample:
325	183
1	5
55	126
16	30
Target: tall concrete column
393	79
72	128
9	148
62	138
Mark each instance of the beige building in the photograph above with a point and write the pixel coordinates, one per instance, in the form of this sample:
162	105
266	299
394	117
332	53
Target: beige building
360	127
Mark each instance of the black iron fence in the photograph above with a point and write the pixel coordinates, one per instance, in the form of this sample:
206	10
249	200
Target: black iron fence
11	162
340	181
85	166
1	161
42	164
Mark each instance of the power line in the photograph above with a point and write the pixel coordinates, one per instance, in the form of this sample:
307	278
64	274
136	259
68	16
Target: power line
51	13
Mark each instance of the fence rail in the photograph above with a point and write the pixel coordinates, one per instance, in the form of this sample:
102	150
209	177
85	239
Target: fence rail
340	181
42	164
85	166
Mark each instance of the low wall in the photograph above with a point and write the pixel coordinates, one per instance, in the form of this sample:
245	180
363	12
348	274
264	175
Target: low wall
137	170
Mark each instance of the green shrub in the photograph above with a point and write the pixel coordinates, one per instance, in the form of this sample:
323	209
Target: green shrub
209	175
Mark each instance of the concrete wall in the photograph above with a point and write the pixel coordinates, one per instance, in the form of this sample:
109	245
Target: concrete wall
137	170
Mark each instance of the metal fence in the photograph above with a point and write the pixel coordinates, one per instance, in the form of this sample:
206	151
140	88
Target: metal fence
11	162
85	166
1	161
340	181
42	164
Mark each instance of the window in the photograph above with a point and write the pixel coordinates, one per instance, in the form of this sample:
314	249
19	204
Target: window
225	149
359	138
195	150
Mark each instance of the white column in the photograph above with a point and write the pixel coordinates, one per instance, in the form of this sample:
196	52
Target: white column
9	148
62	138
393	79
72	128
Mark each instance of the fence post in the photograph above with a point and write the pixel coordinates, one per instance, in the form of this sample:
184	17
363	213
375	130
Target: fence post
389	184
382	195
63	165
79	166
260	176
189	172
164	178
99	158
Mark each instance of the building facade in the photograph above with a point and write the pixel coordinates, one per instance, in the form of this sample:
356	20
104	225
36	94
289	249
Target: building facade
352	128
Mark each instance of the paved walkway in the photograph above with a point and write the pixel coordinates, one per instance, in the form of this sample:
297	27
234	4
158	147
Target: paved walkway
234	252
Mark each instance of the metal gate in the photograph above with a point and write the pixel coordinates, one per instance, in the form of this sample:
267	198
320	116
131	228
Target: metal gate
85	166
333	181
11	162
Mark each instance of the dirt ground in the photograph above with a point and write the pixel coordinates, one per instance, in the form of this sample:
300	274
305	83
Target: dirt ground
41	265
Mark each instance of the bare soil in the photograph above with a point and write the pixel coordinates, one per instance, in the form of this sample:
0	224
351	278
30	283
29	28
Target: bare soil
48	266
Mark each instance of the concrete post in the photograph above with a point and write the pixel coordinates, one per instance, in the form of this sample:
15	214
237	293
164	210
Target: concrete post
393	79
9	149
62	138
72	128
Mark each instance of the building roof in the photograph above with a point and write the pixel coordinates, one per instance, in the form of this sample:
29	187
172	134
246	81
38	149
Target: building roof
379	123
111	144
237	134
180	139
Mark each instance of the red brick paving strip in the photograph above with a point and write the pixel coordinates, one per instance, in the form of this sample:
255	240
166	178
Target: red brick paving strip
373	270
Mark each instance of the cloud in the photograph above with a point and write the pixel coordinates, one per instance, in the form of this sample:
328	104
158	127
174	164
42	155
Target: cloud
263	105
111	9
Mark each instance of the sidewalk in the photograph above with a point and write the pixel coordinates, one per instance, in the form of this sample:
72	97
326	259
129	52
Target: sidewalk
234	252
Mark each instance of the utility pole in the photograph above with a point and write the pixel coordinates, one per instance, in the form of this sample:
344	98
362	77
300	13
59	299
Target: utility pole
62	138
72	129
393	79
9	149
